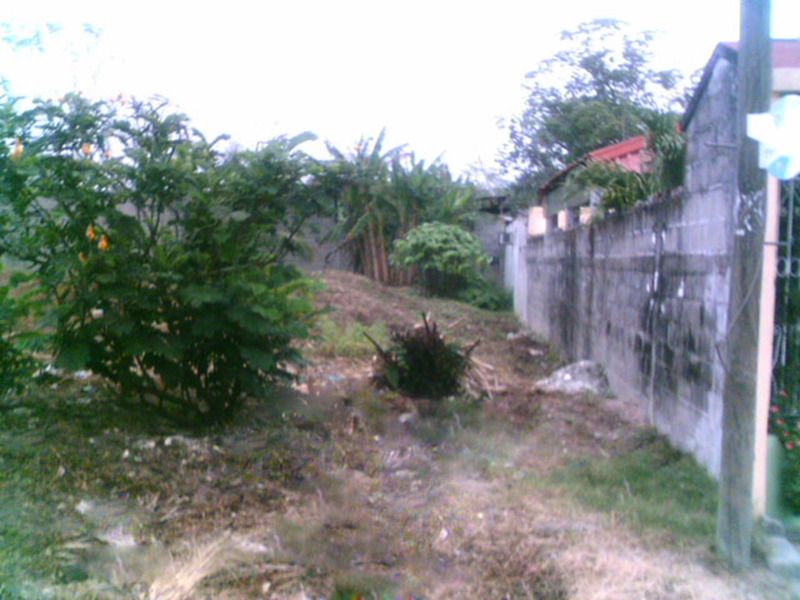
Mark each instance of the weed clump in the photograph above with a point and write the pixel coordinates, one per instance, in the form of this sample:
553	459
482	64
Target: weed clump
420	362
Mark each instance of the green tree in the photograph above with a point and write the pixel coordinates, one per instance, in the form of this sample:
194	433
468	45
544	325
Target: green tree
163	262
379	196
359	184
599	90
428	193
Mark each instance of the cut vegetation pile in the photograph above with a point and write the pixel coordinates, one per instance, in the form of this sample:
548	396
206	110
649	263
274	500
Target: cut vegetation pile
334	489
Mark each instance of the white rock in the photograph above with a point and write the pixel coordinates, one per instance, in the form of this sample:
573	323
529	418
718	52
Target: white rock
584	377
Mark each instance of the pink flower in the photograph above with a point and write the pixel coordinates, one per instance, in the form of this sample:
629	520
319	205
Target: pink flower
789	445
774	408
780	422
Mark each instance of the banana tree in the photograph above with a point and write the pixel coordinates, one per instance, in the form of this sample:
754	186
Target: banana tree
379	196
362	204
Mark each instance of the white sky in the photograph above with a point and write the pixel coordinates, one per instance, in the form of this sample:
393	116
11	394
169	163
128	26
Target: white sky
438	74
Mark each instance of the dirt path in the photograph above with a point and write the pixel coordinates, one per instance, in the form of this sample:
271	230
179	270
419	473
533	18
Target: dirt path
335	490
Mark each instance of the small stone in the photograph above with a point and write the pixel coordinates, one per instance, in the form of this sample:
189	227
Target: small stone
84	506
584	377
406	417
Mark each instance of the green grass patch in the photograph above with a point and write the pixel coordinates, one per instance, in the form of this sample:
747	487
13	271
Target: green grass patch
349	341
353	586
652	487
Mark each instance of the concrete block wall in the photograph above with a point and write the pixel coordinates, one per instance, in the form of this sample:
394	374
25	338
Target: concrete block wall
488	228
314	255
646	292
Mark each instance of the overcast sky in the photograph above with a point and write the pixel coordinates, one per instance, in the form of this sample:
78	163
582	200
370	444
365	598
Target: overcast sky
441	76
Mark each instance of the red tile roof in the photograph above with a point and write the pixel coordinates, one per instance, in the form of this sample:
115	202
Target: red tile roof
620	149
629	154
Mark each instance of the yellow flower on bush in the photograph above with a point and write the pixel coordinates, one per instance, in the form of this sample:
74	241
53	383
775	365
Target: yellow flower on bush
90	234
103	245
17	152
82	257
87	148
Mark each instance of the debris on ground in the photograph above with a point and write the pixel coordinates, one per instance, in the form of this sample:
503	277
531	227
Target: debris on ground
584	377
422	363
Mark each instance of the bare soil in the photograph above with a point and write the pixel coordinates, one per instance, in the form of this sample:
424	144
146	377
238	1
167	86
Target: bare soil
332	489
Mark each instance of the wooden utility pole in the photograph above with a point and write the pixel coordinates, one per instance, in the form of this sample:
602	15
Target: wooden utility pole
735	516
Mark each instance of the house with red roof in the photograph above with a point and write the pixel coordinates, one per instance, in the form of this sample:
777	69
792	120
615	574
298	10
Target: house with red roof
561	207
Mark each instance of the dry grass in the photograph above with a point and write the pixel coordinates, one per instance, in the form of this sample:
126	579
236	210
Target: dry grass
511	542
181	579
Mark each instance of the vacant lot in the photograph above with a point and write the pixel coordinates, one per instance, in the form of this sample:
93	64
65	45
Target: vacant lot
332	489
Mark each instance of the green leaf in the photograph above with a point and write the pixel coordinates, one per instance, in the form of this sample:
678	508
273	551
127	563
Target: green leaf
259	359
197	295
393	375
73	356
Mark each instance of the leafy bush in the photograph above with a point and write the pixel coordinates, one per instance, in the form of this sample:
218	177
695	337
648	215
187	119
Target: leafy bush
620	188
162	260
486	295
16	363
447	257
788	431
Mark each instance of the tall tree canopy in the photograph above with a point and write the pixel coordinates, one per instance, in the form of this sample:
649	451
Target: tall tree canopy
599	90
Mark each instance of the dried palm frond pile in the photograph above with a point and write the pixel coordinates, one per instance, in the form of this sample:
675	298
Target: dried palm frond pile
421	363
